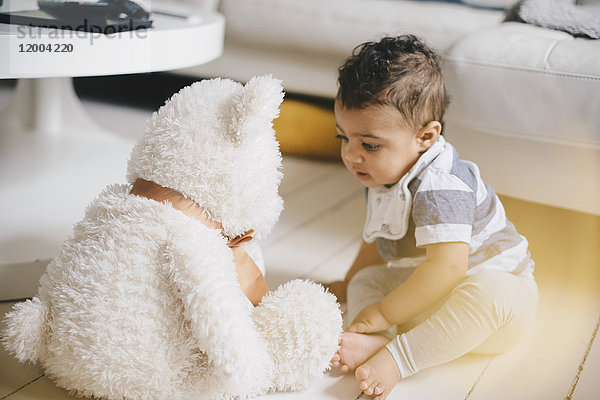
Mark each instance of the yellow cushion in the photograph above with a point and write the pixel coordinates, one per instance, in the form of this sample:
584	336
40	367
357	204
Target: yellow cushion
307	129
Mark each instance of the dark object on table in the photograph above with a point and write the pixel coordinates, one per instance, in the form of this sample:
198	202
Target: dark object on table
104	16
103	10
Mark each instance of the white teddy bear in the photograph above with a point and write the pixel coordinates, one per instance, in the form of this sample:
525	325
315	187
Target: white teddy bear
143	301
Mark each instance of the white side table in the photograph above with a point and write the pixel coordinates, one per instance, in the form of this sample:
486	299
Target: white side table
53	158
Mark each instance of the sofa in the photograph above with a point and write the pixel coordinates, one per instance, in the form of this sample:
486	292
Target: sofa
525	99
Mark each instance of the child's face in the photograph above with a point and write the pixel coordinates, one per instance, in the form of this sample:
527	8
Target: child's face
376	147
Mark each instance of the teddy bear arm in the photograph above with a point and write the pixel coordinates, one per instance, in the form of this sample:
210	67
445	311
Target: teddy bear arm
301	324
201	269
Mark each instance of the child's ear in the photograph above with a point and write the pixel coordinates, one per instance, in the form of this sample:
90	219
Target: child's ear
428	135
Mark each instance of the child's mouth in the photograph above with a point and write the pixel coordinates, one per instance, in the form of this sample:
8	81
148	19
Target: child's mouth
362	175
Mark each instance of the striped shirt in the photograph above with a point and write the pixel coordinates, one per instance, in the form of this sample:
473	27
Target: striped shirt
443	199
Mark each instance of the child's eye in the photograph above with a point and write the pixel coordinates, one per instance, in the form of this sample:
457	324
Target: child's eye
370	147
342	137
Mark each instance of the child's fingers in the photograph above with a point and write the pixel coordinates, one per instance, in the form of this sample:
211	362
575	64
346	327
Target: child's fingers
353	328
360	327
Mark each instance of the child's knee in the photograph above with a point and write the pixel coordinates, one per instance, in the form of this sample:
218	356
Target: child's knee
506	302
493	287
368	278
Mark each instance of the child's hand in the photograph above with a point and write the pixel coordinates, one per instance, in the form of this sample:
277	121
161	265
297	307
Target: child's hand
337	288
370	319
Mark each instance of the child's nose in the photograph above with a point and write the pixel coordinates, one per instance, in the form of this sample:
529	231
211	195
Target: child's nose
351	153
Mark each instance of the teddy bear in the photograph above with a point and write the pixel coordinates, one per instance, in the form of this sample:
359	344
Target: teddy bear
143	300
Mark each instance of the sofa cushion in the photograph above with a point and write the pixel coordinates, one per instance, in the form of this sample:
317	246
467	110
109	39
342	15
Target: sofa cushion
337	26
491	3
577	20
504	78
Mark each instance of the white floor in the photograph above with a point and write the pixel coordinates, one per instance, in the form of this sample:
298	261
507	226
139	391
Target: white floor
317	238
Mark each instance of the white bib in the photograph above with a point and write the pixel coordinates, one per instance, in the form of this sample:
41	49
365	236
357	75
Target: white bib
388	209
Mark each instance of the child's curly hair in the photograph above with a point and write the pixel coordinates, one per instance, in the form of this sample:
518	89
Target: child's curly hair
402	72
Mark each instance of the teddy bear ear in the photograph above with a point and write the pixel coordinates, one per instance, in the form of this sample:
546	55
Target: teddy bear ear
255	106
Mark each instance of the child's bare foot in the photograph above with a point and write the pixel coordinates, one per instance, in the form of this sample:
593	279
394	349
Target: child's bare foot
356	348
378	376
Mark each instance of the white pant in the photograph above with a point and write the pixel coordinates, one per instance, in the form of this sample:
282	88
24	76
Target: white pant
486	313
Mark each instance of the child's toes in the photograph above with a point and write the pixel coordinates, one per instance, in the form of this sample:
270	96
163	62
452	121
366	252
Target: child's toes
382	396
377	390
335	360
362	373
372	389
367	385
344	369
368	390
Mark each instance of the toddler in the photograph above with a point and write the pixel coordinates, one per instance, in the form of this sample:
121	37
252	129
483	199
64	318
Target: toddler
441	271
